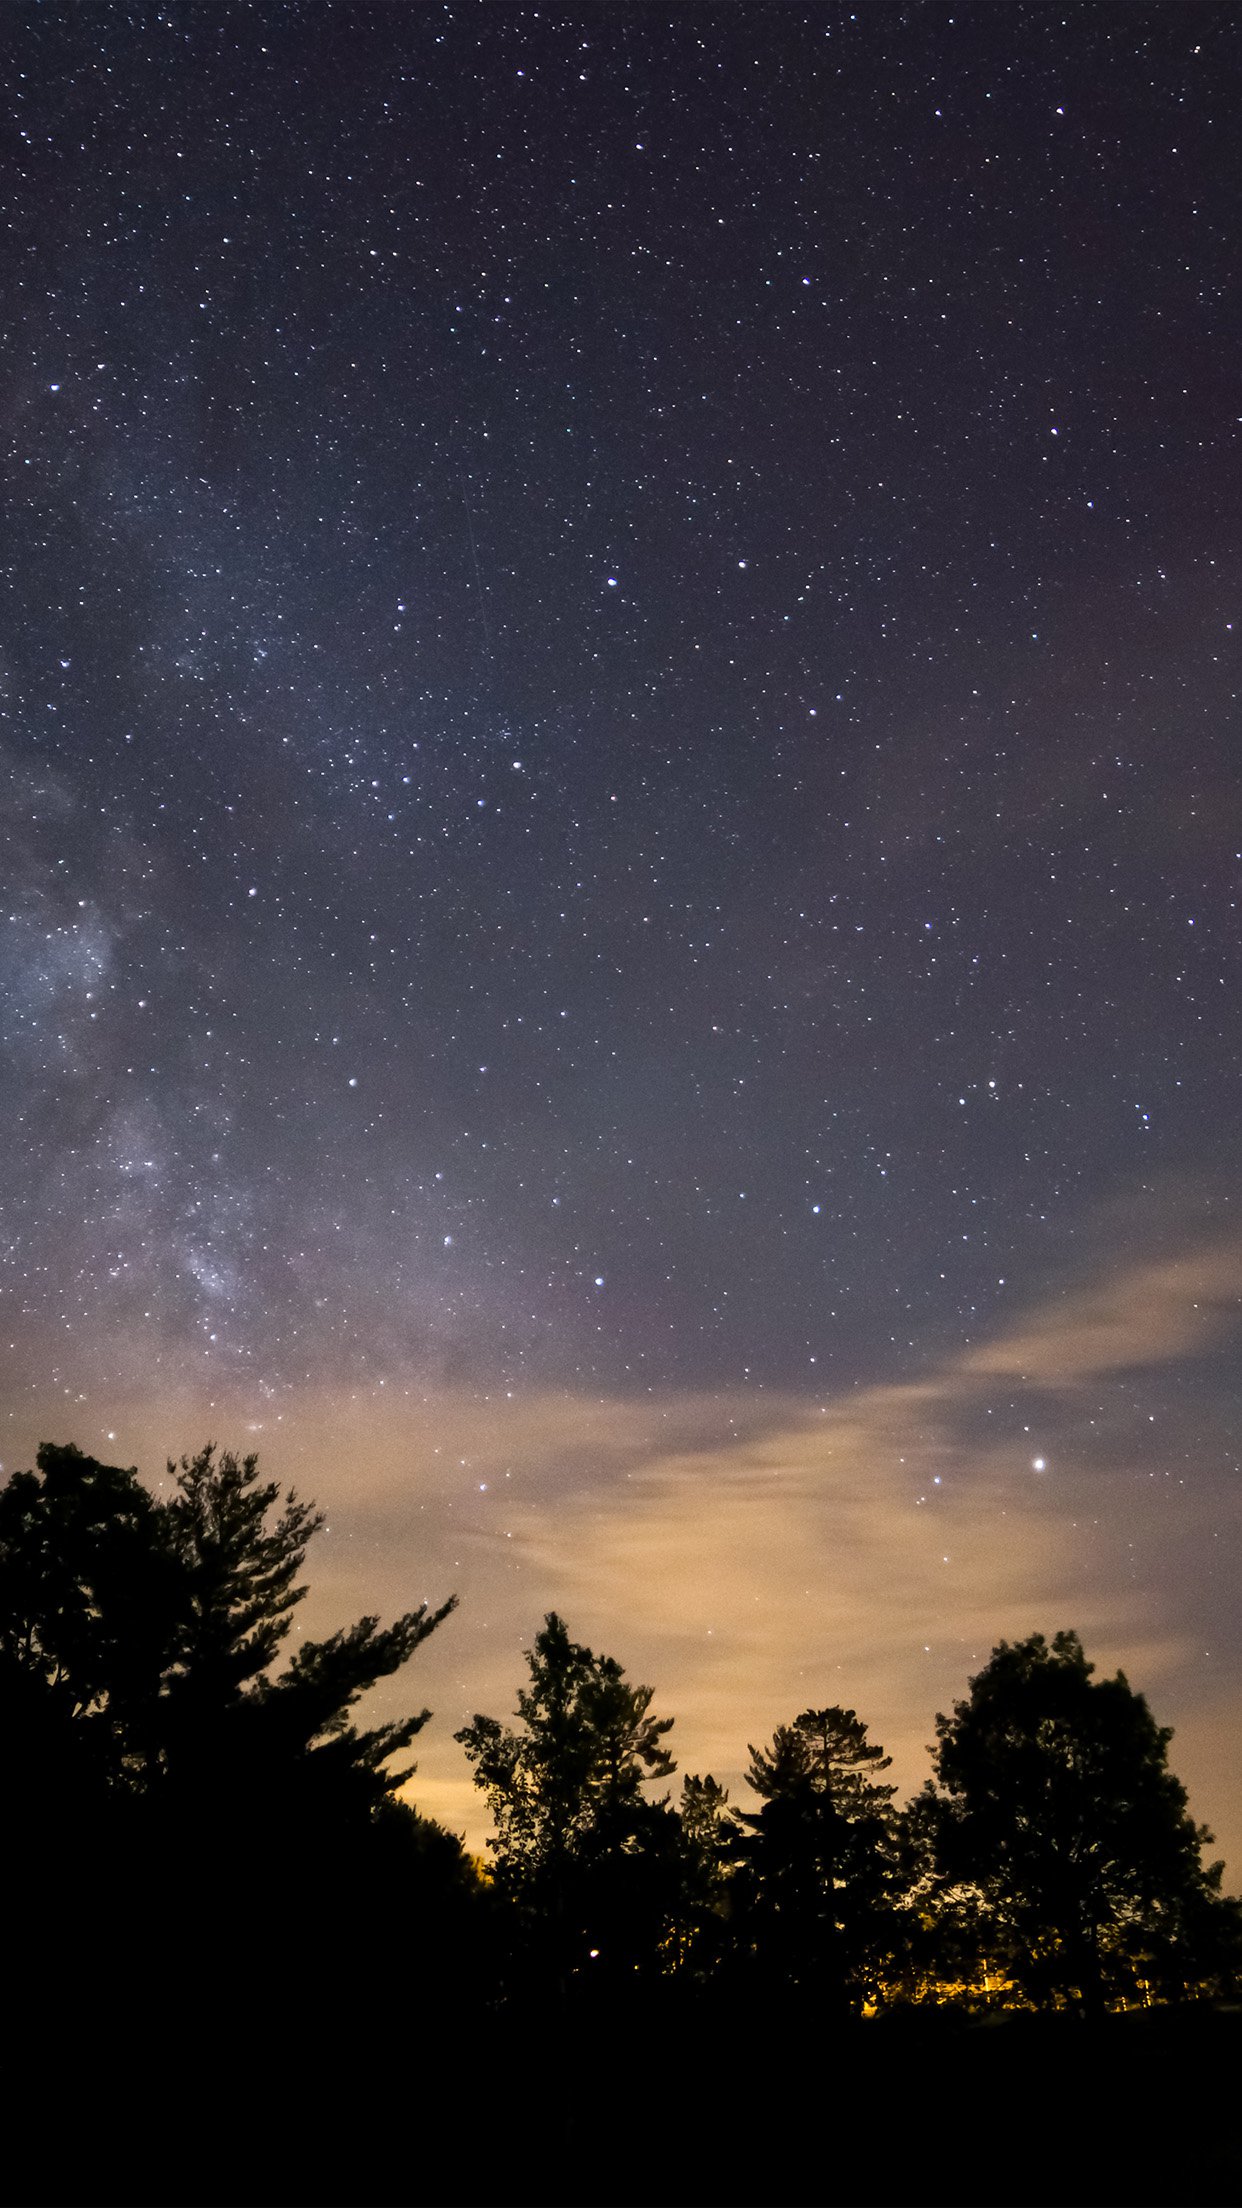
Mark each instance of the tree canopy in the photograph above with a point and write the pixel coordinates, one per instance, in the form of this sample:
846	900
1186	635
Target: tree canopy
822	1855
139	1640
576	1836
154	1694
1055	1803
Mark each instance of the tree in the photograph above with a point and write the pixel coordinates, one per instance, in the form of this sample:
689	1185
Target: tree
88	1612
138	1638
1055	1804
282	1744
710	1843
822	1858
239	1573
578	1848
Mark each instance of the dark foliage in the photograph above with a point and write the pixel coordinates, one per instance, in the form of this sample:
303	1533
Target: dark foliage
202	1836
149	1735
822	1880
591	1864
704	1928
1058	1821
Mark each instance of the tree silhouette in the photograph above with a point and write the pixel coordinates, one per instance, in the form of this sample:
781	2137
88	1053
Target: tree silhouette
138	1640
579	1847
1056	1806
240	1574
710	1855
89	1607
822	1858
235	1733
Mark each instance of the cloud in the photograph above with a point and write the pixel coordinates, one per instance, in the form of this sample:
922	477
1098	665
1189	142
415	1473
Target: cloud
749	1555
1146	1314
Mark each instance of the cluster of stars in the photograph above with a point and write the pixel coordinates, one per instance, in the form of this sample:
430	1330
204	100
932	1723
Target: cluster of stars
619	693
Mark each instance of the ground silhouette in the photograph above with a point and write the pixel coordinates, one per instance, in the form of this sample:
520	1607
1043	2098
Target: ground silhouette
239	1966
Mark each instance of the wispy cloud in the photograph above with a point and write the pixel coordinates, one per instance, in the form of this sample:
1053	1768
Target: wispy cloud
1145	1314
750	1556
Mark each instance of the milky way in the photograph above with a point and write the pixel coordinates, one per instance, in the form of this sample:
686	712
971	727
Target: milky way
621	824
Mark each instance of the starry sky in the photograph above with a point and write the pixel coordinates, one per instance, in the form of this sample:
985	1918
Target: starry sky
619	859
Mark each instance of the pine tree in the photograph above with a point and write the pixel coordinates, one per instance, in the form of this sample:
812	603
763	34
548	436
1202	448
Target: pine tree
710	1857
235	1732
822	1858
138	1638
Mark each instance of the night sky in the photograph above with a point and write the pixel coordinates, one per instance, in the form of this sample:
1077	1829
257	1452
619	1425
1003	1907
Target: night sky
619	929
